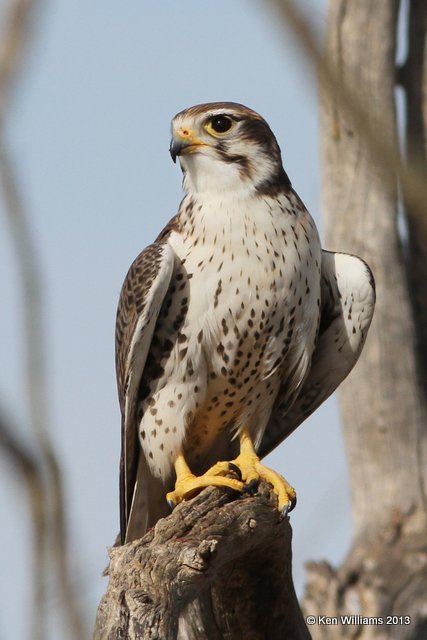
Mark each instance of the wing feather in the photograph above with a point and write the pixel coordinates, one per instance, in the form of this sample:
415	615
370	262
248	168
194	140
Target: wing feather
347	306
141	298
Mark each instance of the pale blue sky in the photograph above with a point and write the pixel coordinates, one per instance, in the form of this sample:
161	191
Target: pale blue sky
90	133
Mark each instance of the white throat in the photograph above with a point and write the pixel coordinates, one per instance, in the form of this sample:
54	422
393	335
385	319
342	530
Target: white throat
205	175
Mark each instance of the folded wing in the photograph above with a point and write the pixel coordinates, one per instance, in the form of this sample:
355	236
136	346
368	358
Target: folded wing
141	298
347	306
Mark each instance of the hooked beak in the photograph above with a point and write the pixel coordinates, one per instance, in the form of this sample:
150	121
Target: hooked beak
176	148
184	141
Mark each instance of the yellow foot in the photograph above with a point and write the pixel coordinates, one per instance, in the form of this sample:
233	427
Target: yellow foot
286	495
252	471
187	484
246	466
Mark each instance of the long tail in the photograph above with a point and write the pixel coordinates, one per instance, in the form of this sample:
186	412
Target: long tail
148	502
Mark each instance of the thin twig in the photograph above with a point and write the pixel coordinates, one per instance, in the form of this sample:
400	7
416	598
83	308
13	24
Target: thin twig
36	382
11	56
27	465
12	48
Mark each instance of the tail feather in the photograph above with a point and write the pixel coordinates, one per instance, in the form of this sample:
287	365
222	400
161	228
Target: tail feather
148	502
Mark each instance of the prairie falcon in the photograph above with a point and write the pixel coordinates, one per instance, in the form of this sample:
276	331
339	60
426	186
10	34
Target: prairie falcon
233	326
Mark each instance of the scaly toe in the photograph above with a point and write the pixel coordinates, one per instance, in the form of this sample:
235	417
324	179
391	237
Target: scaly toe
188	487
286	496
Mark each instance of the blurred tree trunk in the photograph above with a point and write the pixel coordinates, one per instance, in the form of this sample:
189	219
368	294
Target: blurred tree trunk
384	400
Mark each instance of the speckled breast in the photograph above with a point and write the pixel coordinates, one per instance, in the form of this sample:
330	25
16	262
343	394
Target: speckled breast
238	323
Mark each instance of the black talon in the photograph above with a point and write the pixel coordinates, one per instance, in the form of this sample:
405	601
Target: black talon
293	504
233	467
251	487
171	504
288	508
284	512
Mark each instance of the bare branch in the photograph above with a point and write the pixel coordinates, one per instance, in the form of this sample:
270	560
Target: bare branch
36	384
11	55
28	467
12	48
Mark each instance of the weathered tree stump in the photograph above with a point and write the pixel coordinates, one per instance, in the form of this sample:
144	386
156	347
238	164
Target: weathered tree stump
218	567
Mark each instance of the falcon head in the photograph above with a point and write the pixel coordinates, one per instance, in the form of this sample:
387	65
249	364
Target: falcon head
226	146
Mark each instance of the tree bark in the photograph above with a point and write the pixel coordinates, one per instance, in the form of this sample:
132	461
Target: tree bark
383	402
217	568
412	76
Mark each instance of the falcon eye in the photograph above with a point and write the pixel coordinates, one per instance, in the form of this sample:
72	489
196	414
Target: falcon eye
221	124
